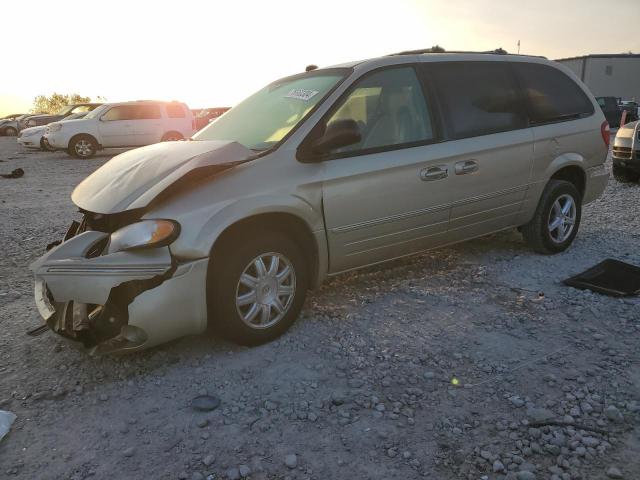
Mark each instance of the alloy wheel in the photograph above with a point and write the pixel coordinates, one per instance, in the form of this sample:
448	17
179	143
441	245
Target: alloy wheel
83	148
266	290
562	218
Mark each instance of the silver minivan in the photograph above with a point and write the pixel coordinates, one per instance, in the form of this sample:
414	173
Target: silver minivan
316	174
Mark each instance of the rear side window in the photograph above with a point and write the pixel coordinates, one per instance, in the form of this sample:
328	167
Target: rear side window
552	96
147	112
477	98
175	111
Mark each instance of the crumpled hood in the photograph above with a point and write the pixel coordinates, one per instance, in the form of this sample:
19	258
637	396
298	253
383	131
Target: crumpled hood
133	179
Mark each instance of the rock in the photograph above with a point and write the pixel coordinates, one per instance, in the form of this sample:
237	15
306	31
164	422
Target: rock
614	414
516	401
498	466
102	397
129	452
525	475
355	383
429	375
233	474
197	476
613	472
291	460
208	460
539	415
245	471
205	403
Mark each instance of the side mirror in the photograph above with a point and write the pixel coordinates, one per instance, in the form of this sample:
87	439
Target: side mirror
340	133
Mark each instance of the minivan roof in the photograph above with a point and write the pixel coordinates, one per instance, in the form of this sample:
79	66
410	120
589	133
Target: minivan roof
427	55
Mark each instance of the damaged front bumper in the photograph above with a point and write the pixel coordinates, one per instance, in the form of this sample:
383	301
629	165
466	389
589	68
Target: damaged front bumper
121	301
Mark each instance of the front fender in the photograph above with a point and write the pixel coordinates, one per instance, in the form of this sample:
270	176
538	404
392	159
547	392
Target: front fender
202	227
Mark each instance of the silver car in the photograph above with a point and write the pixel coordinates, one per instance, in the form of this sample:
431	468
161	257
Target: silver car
316	174
626	153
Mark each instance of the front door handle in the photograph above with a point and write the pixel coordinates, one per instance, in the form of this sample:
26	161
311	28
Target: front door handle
434	173
468	166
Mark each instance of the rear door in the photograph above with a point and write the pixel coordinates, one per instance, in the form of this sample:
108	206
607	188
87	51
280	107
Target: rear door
148	125
490	144
389	194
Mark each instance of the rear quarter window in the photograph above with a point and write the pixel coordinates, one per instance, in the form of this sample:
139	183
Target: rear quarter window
477	98
551	95
175	111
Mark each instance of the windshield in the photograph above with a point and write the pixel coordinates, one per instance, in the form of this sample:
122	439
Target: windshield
97	112
74	116
65	110
263	119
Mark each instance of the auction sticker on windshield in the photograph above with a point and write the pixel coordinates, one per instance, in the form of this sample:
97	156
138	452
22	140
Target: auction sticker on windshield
301	94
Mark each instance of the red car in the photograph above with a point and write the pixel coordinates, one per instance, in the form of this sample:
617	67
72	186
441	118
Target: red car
205	115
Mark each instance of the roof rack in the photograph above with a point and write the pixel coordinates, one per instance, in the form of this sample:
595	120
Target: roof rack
438	49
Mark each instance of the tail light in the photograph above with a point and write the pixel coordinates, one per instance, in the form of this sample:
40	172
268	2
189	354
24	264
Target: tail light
606	132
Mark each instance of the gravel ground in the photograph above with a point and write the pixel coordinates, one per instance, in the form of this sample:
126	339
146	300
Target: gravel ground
470	362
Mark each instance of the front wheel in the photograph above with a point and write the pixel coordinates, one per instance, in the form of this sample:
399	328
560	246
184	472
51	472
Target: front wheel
625	175
256	288
83	146
557	218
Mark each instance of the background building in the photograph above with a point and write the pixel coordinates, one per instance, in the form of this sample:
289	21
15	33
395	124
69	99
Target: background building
608	75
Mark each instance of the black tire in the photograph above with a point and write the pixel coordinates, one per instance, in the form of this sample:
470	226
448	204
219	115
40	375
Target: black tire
83	146
10	131
228	263
625	175
537	233
172	137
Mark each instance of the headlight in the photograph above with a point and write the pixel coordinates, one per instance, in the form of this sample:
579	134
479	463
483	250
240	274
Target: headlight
54	127
31	133
144	234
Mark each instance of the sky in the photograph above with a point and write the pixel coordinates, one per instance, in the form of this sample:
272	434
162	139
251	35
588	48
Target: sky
215	53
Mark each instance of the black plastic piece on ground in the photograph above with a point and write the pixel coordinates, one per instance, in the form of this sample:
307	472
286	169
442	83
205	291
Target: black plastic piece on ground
205	403
17	173
34	332
611	277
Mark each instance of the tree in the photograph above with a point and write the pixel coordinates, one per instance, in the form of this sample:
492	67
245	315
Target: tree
54	102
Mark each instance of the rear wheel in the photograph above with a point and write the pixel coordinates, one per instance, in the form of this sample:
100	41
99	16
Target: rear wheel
625	175
256	288
83	146
172	137
10	131
557	218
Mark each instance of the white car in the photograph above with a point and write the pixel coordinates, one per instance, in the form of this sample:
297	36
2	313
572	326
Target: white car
115	125
33	137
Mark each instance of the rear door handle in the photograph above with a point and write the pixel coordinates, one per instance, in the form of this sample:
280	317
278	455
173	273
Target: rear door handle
467	166
434	173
